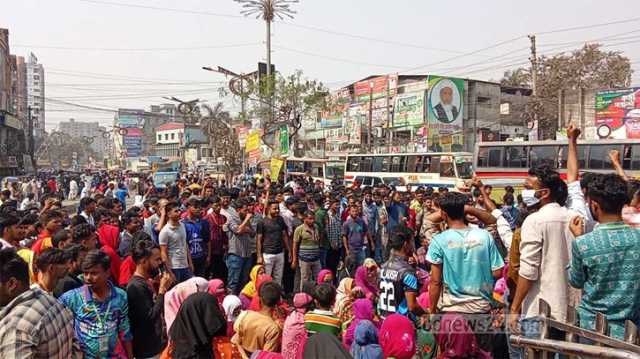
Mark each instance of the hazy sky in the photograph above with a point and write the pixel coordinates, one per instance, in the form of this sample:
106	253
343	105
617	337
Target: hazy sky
103	54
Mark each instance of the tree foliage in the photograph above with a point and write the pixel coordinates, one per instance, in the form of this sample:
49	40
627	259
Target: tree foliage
587	67
289	100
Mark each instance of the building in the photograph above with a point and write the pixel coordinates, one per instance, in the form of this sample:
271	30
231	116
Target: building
156	117
89	130
408	113
169	139
5	71
36	94
19	90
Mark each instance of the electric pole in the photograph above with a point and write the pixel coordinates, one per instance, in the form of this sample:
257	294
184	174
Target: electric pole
534	65
32	145
370	130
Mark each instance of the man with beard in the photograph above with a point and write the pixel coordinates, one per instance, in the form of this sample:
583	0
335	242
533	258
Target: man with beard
74	255
101	311
240	231
145	306
50	265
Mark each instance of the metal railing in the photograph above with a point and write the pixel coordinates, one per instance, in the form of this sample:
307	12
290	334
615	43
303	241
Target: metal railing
603	346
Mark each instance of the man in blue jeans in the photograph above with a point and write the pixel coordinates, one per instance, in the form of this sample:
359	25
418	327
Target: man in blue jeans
239	231
354	233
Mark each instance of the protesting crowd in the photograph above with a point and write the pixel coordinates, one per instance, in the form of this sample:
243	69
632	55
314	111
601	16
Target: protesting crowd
273	268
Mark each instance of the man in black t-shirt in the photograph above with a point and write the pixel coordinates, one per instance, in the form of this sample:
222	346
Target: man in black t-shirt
271	240
398	280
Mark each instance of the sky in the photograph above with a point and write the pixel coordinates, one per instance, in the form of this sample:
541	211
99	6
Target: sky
131	53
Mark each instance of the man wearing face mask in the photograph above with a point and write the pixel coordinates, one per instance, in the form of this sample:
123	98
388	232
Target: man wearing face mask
609	286
145	306
544	251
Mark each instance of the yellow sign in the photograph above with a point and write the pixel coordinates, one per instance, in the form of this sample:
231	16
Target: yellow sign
276	167
253	141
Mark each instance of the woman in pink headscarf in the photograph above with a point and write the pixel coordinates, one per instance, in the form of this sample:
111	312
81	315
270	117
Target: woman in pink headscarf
255	301
325	276
294	334
216	289
367	278
398	337
174	298
362	310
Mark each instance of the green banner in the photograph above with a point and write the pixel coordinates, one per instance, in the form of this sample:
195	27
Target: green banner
284	140
409	109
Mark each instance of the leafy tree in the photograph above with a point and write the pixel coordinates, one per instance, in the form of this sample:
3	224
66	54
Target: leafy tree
216	123
288	100
587	67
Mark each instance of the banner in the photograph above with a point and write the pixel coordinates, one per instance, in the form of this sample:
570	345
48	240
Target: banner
445	109
618	113
353	125
409	109
253	141
283	140
130	118
378	87
276	166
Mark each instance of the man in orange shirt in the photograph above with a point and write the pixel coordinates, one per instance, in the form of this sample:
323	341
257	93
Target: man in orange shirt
51	222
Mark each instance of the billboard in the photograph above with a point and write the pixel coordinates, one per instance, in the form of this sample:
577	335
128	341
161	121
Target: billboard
195	136
445	109
378	87
618	113
130	118
409	109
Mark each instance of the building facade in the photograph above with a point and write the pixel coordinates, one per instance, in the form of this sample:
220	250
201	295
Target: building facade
89	130
36	94
169	139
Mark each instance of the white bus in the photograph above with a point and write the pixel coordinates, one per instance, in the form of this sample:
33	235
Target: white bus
437	169
304	166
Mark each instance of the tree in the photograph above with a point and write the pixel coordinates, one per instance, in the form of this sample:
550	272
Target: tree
216	123
292	100
587	67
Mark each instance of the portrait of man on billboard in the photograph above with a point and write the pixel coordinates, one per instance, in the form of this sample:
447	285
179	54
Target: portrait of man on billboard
446	111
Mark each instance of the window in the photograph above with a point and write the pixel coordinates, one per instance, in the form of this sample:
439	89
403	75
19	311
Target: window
173	136
599	156
540	155
159	137
386	163
166	137
434	166
353	164
635	157
367	164
396	163
515	156
411	163
423	164
377	164
481	100
489	157
582	156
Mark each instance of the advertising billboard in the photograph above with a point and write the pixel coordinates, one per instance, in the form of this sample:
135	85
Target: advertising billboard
445	109
130	118
409	109
378	87
618	113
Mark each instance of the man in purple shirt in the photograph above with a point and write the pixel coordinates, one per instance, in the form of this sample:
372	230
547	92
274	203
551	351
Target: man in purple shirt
354	232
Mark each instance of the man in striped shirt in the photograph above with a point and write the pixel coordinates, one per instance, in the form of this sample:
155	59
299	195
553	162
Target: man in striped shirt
322	318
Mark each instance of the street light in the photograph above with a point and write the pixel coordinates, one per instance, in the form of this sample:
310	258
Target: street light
268	10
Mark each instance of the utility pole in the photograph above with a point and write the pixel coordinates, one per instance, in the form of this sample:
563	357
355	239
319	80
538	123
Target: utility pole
534	83
370	130
32	145
534	65
268	22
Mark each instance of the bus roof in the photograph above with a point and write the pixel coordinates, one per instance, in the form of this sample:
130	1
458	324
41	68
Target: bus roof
411	154
606	141
306	159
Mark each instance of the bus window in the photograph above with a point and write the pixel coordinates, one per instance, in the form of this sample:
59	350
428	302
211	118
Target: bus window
317	171
490	157
377	164
515	156
396	164
353	164
543	155
635	157
434	167
376	181
366	164
411	163
582	156
599	156
386	163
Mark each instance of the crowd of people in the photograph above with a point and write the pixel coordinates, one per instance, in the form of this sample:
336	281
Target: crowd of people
264	268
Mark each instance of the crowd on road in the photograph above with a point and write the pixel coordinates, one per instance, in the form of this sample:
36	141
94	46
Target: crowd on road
275	268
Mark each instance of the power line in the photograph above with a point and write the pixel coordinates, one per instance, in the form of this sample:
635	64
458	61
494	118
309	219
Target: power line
111	49
624	21
334	58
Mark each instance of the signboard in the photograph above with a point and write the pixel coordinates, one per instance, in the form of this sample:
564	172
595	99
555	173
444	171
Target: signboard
195	136
409	109
130	118
353	125
378	87
276	167
242	132
253	141
445	108
618	113
334	117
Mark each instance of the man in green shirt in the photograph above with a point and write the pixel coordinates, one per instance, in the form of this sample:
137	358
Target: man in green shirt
604	262
321	223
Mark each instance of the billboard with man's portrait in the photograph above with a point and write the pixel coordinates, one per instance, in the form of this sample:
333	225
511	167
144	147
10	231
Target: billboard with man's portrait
445	109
